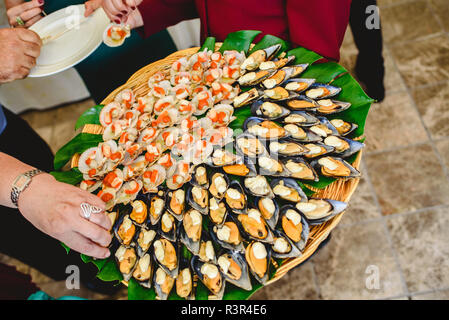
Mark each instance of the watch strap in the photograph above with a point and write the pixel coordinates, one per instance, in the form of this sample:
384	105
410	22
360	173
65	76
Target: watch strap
16	190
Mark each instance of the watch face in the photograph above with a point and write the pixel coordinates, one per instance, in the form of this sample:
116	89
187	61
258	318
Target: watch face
22	181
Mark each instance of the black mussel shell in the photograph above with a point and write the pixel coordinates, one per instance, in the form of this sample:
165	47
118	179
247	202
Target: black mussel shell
162	295
131	227
144	239
301	243
146	261
302	103
293	251
300	118
268	110
287	148
194	180
290	183
170	195
335	207
327	91
192	244
214	191
318	164
173	271
289	164
243	280
298	85
249	153
199	266
258	193
343	147
217	234
193	203
167	219
253	121
262	279
270	217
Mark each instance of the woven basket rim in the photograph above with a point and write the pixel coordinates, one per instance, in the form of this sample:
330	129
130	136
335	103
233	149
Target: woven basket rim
341	189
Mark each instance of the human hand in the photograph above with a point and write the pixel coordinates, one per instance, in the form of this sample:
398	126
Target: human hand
54	208
20	49
29	12
118	11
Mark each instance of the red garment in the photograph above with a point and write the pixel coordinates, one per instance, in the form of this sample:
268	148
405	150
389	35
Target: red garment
318	25
15	285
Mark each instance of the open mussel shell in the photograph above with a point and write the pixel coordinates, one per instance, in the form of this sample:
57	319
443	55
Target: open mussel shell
184	281
219	183
269	166
207	250
282	247
217	211
298	85
294	225
318	211
200	176
276	63
176	203
168	226
249	145
287	148
235	197
221	157
288	189
166	255
343	147
156	207
234	268
144	239
328	106
344	128
302	103
126	258
258	186
322	91
125	230
163	283
227	235
253	226
324	128
300	118
198	198
191	229
245	168
256	58
300	134
334	167
258	257
264	129
139	213
283	75
210	275
279	94
255	77
143	271
269	209
300	169
317	149
269	110
246	98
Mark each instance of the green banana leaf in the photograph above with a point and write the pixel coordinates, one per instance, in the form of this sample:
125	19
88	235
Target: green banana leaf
268	41
73	177
91	116
79	144
329	72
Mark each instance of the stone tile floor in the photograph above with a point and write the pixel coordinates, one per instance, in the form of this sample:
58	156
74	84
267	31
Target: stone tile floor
398	219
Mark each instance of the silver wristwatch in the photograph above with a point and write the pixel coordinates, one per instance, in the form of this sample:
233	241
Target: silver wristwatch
21	183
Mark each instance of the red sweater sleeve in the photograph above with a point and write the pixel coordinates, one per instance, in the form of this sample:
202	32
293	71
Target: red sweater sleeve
319	25
160	14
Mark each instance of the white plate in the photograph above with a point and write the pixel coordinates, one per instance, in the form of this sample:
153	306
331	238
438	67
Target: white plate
71	47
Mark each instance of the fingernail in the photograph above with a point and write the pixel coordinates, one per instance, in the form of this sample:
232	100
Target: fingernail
117	21
119	15
107	254
41	1
134	8
124	12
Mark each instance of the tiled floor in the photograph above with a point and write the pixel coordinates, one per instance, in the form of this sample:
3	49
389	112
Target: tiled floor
397	223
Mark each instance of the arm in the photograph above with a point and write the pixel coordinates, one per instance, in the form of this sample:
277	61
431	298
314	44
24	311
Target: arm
319	25
54	208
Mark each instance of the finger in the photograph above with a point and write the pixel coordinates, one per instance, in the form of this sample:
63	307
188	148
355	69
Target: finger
32	49
30	36
28	62
91	6
131	3
29	14
102	220
109	7
121	6
92	231
32	21
79	243
17	10
23	72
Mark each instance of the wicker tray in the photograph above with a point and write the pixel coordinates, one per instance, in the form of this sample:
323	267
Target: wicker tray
341	189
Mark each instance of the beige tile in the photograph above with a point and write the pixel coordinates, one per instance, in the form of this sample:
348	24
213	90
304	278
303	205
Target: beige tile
437	295
443	149
424	61
297	284
361	206
393	123
408	21
441	9
433	105
420	241
385	3
20	266
341	266
42	122
408	179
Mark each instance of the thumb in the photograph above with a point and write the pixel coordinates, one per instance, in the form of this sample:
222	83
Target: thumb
91	6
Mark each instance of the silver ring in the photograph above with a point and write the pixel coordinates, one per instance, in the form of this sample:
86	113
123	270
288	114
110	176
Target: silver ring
88	209
19	21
